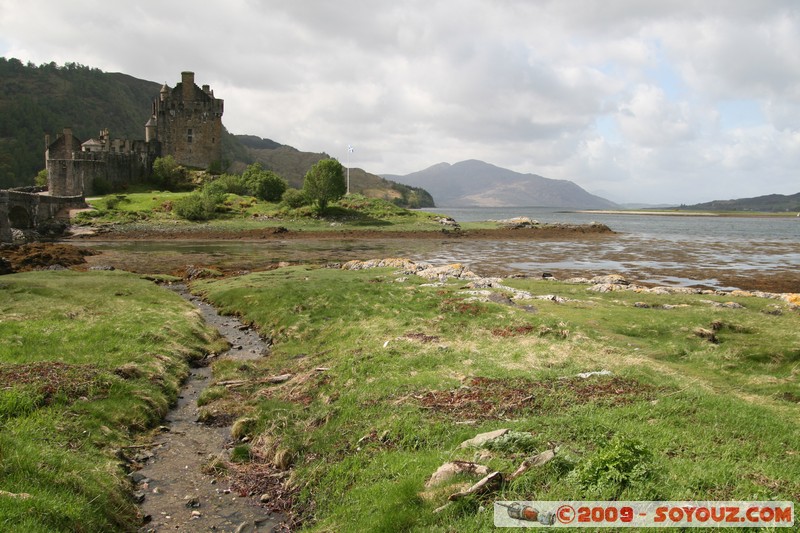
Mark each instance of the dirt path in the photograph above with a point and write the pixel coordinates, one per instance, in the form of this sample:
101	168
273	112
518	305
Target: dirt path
178	496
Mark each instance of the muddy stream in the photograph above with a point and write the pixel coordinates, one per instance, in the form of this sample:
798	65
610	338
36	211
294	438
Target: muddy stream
177	495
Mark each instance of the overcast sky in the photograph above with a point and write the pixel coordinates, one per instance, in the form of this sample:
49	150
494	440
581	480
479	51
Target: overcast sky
635	100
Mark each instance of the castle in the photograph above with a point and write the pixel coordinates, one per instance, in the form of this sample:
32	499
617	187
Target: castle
186	123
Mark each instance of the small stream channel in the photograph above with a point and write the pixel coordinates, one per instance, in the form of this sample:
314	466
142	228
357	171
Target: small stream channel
178	496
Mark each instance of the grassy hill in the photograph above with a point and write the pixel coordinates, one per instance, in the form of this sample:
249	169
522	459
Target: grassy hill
36	100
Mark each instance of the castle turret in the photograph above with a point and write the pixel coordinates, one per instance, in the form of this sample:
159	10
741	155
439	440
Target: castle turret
150	130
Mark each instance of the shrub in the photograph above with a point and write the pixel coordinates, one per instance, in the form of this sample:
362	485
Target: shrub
263	184
227	183
41	178
113	202
613	467
294	198
167	173
197	206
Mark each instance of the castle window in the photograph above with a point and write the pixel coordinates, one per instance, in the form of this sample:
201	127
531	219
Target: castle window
189	135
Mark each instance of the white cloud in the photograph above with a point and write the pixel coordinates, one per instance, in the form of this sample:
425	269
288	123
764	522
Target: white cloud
516	83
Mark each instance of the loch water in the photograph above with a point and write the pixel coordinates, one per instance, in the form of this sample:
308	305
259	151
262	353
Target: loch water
703	251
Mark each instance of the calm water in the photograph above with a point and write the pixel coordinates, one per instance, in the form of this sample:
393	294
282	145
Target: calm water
679	228
709	251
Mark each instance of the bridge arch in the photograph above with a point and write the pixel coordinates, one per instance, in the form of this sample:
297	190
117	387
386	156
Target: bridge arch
19	217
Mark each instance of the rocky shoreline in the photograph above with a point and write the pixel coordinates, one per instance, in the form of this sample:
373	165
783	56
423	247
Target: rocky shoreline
605	283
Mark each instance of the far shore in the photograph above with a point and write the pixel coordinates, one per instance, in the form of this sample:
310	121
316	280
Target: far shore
744	214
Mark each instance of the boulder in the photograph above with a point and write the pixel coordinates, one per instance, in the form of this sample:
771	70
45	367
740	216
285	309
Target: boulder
613	279
479	440
449	470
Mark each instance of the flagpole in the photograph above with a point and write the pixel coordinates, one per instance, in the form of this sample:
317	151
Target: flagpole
349	150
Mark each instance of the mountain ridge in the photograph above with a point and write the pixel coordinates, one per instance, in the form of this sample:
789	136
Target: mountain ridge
476	183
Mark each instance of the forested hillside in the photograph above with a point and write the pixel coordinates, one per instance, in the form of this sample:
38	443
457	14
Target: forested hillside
37	100
775	203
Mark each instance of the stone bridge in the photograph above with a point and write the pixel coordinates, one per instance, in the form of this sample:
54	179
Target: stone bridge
24	209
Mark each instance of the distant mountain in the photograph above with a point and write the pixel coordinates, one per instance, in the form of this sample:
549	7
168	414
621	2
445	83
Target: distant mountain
475	183
771	203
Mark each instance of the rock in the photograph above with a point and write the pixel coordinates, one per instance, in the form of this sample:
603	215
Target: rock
137	477
138	497
605	287
613	279
265	498
791	298
101	268
455	270
585	375
449	470
481	439
484	283
447	221
706	334
192	501
577	281
13	495
552	298
729	305
490	482
518	222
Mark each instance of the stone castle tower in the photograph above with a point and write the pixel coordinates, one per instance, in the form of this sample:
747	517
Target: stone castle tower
187	122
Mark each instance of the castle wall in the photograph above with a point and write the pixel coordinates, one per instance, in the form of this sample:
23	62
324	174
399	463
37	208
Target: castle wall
5	224
119	163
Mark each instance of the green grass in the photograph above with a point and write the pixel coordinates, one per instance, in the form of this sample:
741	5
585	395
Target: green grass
149	210
391	375
89	361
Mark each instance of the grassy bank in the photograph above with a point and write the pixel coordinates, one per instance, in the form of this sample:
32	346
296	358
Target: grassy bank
89	361
389	373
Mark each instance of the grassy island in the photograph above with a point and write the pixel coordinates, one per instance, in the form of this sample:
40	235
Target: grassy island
151	215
